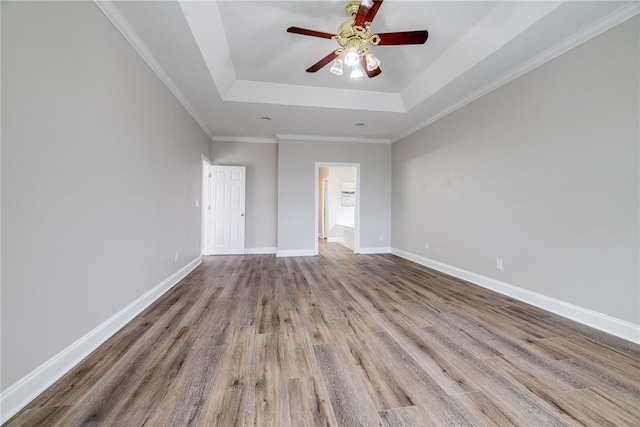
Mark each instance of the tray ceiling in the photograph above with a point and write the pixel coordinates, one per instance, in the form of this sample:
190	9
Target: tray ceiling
232	62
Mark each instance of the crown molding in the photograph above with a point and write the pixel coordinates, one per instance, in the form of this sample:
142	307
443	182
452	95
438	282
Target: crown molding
615	18
122	25
250	139
320	138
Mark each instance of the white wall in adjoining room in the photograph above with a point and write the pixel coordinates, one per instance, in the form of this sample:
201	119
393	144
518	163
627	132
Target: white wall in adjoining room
296	179
101	170
260	159
542	173
323	174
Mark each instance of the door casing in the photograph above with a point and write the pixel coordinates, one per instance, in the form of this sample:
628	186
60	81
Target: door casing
227	210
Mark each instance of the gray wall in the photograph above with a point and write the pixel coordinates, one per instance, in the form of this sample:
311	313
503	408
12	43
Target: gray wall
296	178
542	173
261	162
100	173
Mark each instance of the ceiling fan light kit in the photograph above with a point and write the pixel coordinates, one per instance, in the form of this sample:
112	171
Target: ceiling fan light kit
371	61
354	36
356	72
336	67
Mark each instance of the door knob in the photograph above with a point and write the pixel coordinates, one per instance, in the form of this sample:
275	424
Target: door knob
241	214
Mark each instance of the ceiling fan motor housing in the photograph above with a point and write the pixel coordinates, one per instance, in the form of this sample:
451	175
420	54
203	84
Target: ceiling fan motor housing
353	36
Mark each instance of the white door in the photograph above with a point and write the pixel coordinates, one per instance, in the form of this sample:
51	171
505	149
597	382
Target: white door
227	210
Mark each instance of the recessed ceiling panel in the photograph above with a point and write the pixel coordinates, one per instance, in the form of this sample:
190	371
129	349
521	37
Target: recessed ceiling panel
262	50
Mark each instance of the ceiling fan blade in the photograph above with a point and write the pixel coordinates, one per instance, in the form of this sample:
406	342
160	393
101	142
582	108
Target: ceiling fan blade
404	37
312	33
376	71
324	61
366	12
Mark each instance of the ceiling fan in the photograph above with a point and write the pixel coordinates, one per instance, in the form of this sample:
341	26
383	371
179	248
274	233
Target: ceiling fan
354	36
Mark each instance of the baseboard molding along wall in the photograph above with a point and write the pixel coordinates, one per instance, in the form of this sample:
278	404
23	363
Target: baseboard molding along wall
311	252
260	251
296	252
369	251
602	322
28	388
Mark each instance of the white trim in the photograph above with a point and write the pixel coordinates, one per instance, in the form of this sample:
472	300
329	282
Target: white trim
615	18
120	22
251	139
260	251
380	250
296	252
26	389
320	138
603	322
334	240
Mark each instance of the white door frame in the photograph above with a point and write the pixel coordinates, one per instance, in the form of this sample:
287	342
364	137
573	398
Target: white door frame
228	215
323	209
356	238
205	222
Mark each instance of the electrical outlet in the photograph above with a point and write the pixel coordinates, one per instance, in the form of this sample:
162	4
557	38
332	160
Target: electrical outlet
499	264
176	257
426	245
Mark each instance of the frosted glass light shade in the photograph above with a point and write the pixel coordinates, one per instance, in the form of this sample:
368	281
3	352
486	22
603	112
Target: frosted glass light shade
372	61
336	68
356	72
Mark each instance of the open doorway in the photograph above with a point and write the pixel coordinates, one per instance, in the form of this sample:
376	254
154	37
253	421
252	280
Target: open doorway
337	204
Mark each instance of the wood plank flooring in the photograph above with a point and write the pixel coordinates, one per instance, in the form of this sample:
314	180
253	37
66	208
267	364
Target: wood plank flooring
343	340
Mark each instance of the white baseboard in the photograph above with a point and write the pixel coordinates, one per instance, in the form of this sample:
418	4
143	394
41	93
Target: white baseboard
367	251
602	322
334	240
26	389
260	251
296	252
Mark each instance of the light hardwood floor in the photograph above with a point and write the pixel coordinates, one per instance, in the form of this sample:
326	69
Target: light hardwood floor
344	340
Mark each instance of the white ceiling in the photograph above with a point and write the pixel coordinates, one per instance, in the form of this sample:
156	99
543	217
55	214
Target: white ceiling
232	62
